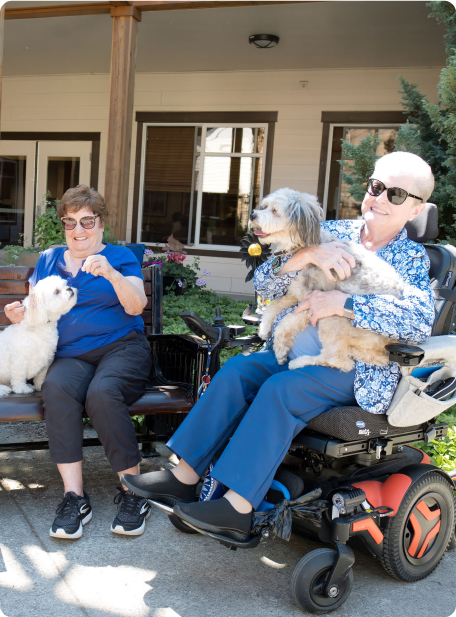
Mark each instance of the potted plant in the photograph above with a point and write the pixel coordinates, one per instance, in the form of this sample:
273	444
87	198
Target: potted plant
177	277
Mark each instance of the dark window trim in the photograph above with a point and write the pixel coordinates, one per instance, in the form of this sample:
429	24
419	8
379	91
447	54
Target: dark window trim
69	136
349	117
201	117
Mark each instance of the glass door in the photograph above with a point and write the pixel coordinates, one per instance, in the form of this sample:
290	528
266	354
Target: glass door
17	183
61	165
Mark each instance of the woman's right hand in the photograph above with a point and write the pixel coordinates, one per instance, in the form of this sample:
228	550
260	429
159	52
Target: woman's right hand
327	257
15	312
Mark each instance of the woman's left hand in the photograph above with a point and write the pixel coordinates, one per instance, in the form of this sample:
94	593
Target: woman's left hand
98	265
323	304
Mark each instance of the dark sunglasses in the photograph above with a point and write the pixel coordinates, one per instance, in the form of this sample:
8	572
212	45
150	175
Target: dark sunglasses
87	222
395	195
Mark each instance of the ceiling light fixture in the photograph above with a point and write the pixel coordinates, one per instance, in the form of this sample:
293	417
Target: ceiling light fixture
264	41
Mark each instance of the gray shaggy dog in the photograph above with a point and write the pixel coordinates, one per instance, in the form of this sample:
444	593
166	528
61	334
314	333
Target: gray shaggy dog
292	221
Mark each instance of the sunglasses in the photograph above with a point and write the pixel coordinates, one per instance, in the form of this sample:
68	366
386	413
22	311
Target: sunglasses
87	222
395	195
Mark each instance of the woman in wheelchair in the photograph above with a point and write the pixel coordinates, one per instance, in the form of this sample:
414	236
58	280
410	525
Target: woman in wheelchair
254	406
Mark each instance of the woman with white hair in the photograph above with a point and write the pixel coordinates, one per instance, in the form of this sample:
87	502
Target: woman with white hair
258	405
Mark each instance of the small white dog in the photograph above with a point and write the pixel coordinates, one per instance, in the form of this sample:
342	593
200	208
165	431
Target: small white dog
27	349
292	221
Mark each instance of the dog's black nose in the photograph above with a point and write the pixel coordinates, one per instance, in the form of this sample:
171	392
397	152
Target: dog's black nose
253	216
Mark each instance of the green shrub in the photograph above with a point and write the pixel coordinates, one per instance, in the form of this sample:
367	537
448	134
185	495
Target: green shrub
203	302
443	453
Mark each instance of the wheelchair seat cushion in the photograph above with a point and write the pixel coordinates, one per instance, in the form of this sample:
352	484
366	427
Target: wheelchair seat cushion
354	424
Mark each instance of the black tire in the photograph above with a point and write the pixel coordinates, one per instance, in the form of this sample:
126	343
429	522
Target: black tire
309	574
294	484
407	554
452	543
180	525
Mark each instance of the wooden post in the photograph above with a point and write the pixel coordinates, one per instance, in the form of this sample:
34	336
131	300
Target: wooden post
2	31
123	65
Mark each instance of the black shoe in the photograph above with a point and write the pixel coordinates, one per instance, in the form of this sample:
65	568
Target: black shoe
74	512
161	486
217	516
131	514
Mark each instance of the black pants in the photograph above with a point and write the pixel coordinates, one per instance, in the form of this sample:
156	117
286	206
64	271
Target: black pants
104	381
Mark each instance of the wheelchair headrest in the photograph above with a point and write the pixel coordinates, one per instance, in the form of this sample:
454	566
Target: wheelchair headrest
425	226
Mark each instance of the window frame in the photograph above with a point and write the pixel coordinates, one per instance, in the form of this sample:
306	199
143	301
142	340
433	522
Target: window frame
331	120
204	120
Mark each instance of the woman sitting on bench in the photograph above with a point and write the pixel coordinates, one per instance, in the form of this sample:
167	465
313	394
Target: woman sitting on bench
262	405
102	362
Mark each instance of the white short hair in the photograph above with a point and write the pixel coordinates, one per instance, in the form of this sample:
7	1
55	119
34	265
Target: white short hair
411	165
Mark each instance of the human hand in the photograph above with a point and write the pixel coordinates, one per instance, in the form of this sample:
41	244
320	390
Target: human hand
328	256
98	265
15	312
323	304
331	256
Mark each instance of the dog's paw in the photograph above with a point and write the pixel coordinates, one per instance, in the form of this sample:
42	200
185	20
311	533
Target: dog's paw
23	388
264	332
4	390
299	362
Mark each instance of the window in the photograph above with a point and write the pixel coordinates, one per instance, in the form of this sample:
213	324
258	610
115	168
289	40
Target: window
199	183
338	202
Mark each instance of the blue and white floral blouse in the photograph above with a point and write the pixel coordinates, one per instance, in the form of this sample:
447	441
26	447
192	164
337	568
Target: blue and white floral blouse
408	320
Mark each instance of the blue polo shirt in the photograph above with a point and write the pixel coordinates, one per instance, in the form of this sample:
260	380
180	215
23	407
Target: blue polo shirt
97	318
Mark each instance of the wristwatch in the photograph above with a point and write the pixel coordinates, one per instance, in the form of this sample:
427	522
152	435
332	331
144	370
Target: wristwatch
348	308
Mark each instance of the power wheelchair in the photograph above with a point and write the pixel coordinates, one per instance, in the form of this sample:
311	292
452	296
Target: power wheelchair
371	488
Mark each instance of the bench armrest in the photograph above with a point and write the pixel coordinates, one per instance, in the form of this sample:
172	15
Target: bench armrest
178	360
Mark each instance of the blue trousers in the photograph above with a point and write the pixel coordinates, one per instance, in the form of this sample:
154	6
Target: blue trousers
261	406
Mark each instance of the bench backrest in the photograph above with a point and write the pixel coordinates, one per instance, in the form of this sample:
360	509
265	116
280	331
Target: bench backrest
14	286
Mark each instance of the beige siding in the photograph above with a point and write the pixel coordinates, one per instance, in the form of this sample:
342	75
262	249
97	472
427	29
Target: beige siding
80	103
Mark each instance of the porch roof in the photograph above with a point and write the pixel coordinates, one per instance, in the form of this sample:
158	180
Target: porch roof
313	35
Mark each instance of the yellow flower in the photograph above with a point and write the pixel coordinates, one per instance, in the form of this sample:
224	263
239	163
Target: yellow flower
254	250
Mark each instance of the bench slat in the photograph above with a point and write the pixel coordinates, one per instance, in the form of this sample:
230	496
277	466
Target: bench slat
15	273
4	321
4	300
14	288
156	400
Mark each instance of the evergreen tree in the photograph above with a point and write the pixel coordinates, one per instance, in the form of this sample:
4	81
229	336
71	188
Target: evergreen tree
430	132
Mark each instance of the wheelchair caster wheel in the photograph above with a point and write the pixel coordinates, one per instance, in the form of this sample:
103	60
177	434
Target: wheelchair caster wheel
180	525
309	579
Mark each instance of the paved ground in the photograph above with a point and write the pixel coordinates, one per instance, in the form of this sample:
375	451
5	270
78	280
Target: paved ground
164	573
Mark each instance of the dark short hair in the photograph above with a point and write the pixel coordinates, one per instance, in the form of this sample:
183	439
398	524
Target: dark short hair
80	197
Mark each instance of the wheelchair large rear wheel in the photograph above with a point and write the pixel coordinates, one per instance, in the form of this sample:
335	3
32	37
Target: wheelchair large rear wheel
416	538
309	578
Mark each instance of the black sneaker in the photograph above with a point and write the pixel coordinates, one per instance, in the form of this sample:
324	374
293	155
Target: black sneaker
74	512
132	513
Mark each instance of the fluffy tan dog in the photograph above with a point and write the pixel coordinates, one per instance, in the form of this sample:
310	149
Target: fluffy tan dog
292	221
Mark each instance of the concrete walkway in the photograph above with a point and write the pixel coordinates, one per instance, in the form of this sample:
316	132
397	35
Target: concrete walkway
164	573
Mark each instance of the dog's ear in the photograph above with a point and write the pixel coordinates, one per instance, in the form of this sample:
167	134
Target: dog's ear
306	214
35	309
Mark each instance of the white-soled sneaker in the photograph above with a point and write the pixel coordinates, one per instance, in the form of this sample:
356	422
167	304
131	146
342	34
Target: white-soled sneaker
131	514
72	513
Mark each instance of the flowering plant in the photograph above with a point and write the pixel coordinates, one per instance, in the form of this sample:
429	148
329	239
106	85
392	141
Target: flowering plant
184	276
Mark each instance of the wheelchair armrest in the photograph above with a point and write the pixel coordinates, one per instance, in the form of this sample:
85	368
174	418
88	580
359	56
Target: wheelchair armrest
405	355
250	317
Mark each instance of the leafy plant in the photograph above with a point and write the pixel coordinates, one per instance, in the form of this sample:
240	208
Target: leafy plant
187	276
48	228
443	453
13	253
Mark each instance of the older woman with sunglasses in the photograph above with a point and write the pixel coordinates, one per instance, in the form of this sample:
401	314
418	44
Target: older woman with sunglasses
257	405
102	362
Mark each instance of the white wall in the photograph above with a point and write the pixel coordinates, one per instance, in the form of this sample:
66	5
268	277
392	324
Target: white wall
81	103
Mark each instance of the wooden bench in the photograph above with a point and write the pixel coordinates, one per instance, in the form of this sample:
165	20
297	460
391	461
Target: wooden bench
178	363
